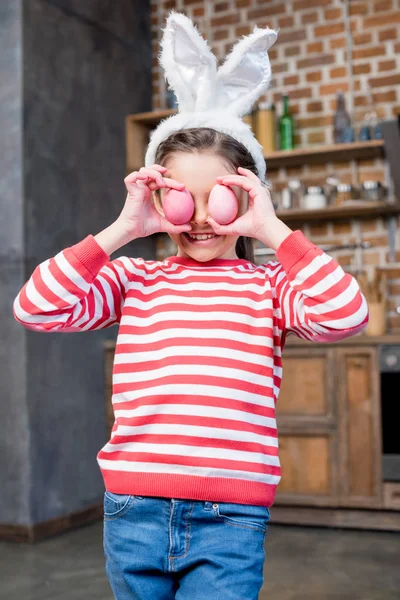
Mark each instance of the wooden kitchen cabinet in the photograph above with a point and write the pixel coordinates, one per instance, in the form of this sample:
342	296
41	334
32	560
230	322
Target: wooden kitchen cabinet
329	427
307	423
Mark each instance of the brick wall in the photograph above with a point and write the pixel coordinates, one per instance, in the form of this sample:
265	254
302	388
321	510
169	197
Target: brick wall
310	63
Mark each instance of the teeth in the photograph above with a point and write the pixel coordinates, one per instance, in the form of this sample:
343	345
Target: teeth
202	236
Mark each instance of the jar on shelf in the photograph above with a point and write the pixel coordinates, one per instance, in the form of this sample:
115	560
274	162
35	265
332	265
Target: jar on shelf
265	126
373	191
345	192
314	197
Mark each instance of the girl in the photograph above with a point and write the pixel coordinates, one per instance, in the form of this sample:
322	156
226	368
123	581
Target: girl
192	465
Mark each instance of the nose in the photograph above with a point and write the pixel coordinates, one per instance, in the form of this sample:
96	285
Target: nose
200	214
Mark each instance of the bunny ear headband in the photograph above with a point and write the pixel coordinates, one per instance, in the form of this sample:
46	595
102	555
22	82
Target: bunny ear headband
208	97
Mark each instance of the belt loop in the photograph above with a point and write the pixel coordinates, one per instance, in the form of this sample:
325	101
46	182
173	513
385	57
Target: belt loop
207	505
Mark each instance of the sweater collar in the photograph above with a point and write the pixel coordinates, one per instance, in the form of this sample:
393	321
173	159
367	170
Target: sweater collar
216	262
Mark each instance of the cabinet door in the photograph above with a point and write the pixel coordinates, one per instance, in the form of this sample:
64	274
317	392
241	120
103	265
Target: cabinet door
360	427
307	424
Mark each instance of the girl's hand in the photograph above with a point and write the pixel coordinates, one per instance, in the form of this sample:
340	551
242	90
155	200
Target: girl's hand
260	220
139	217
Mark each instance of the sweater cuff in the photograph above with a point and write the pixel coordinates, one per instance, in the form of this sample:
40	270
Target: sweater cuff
293	248
90	254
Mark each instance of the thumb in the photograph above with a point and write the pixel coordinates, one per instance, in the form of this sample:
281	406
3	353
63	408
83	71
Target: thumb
219	229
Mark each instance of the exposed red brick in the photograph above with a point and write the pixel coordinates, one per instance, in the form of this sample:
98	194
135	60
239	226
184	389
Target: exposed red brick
314	76
169	5
243	3
341	228
386	65
336	43
273	53
383	5
388	96
316	137
362	38
333	13
393	323
280	67
291	80
397	48
358	8
328	30
361	100
388	80
285	21
315	47
362	68
338	72
266	11
369	52
314	106
382	20
301	93
333	88
230	19
314	122
302	4
221	6
292	51
369	225
316	61
318	229
244	30
221	34
309	17
296	35
388	34
199	11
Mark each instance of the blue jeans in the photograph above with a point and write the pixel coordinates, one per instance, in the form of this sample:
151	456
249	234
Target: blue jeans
164	549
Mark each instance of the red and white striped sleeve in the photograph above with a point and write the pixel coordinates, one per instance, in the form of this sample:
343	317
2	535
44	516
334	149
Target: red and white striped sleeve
79	289
317	299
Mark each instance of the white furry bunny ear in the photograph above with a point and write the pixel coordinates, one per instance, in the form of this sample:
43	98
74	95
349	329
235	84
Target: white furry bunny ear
190	66
246	72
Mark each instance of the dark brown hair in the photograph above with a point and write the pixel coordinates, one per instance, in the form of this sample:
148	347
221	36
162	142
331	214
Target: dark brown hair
203	139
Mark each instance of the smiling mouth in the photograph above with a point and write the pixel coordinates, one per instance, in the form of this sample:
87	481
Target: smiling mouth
201	238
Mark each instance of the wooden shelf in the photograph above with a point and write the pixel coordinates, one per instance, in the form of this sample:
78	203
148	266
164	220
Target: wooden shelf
324	154
336	213
140	125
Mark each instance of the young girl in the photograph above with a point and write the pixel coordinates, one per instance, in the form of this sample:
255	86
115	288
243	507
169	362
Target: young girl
192	465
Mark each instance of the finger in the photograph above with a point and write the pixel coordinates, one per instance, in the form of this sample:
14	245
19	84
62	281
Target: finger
249	174
219	229
159	168
144	177
238	180
170	228
152	173
172	183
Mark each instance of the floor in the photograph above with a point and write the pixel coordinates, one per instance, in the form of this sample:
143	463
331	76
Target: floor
302	563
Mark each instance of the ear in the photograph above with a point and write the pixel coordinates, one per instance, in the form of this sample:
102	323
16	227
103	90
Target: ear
246	72
189	65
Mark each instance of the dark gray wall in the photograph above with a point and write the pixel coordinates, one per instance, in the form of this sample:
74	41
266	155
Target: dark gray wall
73	71
15	436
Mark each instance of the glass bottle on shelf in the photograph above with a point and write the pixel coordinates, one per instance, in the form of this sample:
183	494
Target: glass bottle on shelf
341	121
286	127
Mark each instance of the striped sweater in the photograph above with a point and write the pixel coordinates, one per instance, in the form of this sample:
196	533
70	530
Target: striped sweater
197	367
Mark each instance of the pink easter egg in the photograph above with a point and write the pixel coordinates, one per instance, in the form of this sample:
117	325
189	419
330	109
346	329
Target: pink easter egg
222	204
178	206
